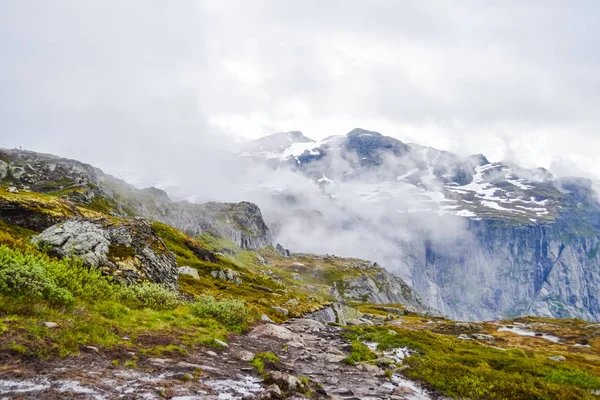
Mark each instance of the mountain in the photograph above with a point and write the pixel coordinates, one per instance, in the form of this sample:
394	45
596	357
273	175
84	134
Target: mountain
477	240
99	299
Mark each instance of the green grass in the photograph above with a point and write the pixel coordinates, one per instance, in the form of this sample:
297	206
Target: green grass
260	359
464	369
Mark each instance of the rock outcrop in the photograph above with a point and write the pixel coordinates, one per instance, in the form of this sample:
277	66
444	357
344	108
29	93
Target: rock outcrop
130	251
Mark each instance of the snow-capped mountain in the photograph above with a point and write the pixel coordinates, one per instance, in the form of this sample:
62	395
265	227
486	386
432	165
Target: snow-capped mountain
475	239
427	179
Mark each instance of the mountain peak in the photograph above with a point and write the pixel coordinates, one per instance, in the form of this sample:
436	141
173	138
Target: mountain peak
362	132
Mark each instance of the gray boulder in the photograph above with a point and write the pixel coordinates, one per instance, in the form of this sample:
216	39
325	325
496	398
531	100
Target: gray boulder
189	271
130	251
226	274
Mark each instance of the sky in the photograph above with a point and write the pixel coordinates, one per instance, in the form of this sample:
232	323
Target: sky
134	84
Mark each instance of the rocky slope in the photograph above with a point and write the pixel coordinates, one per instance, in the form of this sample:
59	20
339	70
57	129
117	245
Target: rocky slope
87	186
477	240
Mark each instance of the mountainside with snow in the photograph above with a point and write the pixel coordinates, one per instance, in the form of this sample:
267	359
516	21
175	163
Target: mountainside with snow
476	239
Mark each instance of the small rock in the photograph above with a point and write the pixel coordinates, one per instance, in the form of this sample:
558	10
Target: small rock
208	368
221	343
483	337
185	270
91	349
12	189
244	355
462	336
271	392
265	318
187	365
262	288
403	390
557	358
226	274
280	310
51	325
276	331
211	353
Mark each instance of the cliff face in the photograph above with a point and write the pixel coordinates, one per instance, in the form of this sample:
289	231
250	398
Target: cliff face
88	186
504	269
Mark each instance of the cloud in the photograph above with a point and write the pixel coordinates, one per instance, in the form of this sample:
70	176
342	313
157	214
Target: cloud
111	83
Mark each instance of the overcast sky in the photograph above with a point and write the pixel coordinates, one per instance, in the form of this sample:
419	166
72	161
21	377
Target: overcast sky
122	83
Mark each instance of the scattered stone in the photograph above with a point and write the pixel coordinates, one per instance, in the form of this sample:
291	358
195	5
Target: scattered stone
276	331
91	349
557	358
226	274
285	381
280	310
282	251
189	271
324	315
187	365
12	189
211	353
221	343
271	392
265	318
462	336
51	325
208	368
262	288
592	326
483	337
244	355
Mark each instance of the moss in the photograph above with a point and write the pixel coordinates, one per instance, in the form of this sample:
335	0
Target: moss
118	251
102	205
359	353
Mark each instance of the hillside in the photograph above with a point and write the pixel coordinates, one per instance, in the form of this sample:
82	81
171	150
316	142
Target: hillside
108	291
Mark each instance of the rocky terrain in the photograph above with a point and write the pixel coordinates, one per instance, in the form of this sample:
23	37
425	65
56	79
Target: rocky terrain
108	291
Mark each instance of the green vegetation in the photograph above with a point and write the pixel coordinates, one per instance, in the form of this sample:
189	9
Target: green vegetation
466	369
359	353
259	360
233	314
116	251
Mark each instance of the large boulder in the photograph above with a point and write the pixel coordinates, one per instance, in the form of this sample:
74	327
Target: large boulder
128	250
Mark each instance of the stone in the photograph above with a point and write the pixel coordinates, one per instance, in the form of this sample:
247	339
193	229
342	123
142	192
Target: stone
221	343
227	274
557	358
244	355
12	189
130	251
51	325
275	331
271	392
185	270
483	337
462	336
285	381
262	288
324	315
282	251
211	353
265	318
91	349
280	310
187	365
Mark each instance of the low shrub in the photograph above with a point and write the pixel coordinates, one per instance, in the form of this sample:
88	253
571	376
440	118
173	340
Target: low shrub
26	275
233	314
151	295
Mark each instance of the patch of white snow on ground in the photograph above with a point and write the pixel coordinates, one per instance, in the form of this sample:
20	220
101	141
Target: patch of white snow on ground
525	332
235	389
